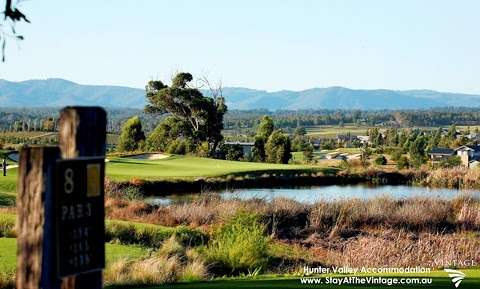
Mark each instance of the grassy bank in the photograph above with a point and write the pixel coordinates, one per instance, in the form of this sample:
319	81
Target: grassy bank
438	281
114	252
177	169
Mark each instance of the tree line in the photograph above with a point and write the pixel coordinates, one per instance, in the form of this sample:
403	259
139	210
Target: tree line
245	122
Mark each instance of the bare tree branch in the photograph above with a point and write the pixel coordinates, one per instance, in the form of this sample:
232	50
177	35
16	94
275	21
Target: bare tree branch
11	16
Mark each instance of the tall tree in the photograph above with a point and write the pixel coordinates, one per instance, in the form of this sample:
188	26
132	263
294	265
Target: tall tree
132	136
203	115
417	151
264	130
278	148
165	133
265	127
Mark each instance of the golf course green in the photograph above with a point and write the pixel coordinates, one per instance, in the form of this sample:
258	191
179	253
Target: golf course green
188	167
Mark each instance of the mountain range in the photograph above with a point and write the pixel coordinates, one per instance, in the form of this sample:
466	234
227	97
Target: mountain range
55	92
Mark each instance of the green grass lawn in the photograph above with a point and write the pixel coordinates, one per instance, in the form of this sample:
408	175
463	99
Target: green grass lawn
174	167
186	167
8	252
8	186
332	130
299	157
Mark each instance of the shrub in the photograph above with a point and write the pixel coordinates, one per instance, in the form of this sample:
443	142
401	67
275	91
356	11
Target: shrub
380	160
155	270
194	270
118	272
117	191
171	246
396	154
450	162
7	225
7	280
132	193
151	235
403	163
172	262
181	147
240	245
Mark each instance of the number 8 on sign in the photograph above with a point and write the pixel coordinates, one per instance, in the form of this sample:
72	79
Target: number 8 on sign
68	184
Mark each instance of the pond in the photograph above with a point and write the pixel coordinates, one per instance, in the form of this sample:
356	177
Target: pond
329	193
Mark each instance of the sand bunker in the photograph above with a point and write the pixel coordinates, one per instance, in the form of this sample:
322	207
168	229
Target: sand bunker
148	156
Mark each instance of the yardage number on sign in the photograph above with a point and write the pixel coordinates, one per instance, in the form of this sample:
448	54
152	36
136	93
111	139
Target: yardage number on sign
80	214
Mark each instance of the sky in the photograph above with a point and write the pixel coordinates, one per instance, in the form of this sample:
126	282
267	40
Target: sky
269	44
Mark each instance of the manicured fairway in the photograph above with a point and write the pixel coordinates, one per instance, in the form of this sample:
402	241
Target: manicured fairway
180	167
175	167
331	131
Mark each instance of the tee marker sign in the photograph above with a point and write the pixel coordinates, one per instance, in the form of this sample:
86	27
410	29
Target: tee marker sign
80	209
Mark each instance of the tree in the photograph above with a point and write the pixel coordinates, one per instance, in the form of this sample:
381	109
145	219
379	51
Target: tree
166	132
450	162
308	153
417	151
278	148
264	130
258	150
201	114
435	139
364	156
299	142
452	132
11	16
132	136
234	153
300	131
266	127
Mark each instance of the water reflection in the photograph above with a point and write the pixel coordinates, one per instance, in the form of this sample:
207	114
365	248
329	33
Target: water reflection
327	193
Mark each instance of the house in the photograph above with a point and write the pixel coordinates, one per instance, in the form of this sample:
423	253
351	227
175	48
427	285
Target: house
444	132
316	144
468	154
364	139
246	147
439	154
346	139
473	137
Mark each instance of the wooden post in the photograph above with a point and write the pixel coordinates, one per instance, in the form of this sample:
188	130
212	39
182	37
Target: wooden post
35	223
83	134
42	195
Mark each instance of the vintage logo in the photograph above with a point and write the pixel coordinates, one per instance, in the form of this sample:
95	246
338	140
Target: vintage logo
457	276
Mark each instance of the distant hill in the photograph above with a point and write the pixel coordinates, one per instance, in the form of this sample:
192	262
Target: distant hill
60	92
